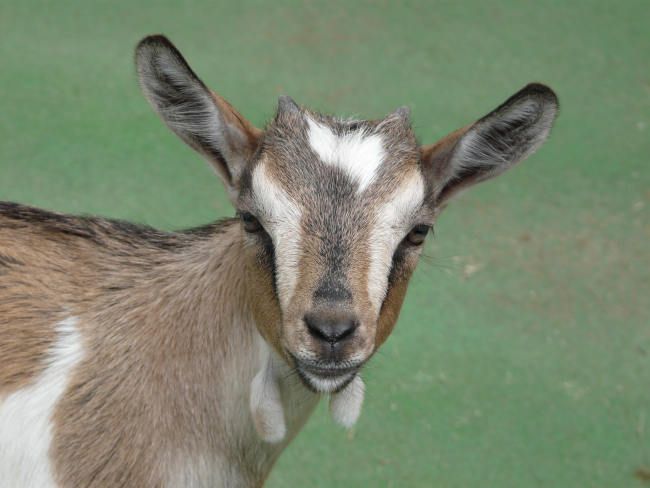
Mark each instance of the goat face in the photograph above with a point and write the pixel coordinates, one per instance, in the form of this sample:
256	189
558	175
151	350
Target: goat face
334	212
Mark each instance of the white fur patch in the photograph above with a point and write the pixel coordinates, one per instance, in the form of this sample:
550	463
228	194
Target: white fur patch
345	406
357	153
25	416
266	402
392	222
281	217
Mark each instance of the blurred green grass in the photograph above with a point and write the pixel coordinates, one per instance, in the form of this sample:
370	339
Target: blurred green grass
522	357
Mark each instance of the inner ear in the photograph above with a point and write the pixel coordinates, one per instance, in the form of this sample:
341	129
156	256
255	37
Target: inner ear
493	144
201	118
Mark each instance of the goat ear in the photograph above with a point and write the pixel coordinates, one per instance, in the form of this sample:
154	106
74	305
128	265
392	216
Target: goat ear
201	118
491	145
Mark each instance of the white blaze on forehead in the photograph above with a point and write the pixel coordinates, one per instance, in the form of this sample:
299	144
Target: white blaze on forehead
357	153
392	222
281	217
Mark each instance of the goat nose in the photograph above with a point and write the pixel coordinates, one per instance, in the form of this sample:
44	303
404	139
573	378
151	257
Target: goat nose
333	328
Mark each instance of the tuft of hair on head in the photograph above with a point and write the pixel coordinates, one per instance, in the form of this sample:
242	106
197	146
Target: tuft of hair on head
345	405
266	405
287	105
402	113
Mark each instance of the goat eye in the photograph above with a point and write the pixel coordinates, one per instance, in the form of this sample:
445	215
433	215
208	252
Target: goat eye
251	224
418	234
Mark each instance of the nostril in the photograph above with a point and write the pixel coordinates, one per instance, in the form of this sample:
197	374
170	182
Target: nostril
331	329
346	330
314	327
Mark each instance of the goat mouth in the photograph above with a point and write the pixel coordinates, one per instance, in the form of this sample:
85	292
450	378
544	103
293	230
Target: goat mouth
325	379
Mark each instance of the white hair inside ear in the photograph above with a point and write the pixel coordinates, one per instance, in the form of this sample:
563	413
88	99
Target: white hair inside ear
345	405
266	404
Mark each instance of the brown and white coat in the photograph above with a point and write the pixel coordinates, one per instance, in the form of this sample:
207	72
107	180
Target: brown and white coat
135	357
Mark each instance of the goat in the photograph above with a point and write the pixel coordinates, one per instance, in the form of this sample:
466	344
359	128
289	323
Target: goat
142	358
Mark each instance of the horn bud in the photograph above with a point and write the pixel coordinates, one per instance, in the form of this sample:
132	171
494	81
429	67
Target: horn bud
286	105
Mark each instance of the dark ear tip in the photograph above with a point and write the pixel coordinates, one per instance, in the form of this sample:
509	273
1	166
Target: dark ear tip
150	45
152	48
540	91
153	40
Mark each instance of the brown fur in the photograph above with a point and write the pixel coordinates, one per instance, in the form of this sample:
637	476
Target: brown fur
264	302
170	323
37	287
245	139
152	379
393	303
279	161
435	164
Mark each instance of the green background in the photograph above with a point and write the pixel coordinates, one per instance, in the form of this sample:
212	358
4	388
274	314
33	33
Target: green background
522	357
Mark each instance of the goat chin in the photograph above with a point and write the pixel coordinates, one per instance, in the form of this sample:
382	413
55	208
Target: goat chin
268	412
